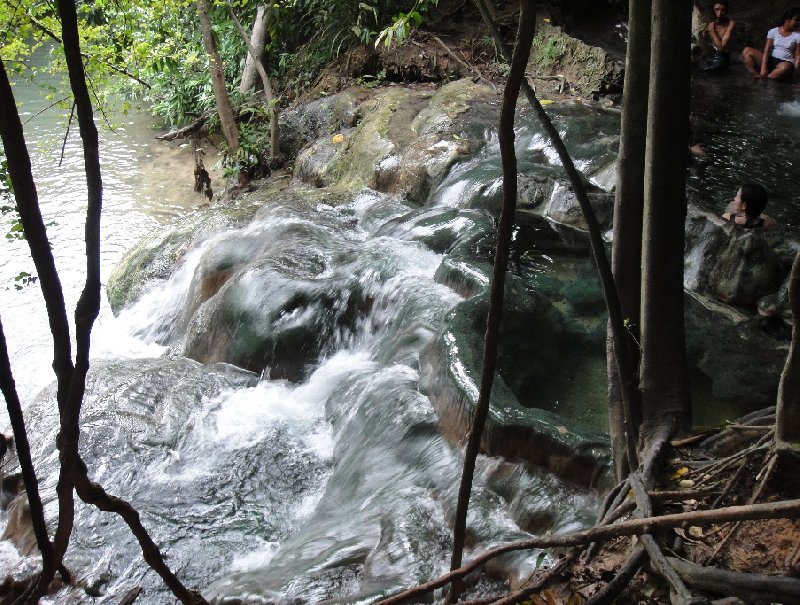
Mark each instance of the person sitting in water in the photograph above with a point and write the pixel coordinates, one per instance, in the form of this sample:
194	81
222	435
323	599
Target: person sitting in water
781	55
747	207
719	32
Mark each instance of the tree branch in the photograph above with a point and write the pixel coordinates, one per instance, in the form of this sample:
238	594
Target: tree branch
787	509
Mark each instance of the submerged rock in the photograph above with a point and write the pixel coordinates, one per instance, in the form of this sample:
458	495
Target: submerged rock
528	355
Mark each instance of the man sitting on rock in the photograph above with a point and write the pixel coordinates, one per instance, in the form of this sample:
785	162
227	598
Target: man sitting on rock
719	32
747	207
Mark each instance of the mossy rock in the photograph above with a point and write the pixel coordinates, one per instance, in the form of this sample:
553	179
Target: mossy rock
587	69
156	257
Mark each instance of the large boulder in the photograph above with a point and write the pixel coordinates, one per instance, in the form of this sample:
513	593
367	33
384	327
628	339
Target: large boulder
737	266
319	119
584	69
404	142
529	356
155	258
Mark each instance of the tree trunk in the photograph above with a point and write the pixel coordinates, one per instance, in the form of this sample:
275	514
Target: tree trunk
516	75
258	38
252	50
227	118
664	377
788	412
626	253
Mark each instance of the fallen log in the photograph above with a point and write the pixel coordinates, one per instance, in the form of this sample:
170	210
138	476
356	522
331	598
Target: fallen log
195	127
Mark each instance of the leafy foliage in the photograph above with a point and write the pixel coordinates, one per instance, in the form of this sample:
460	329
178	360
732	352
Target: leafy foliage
404	23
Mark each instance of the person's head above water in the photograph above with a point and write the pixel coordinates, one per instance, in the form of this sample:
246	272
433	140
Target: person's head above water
752	199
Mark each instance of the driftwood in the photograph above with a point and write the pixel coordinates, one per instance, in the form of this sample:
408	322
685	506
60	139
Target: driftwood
788	509
195	128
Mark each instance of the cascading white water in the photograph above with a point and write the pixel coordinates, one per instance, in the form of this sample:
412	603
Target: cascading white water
335	486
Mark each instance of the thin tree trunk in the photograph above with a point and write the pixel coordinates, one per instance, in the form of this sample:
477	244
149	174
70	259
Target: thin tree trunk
259	38
788	411
227	118
626	252
664	378
88	305
25	461
272	105
527	23
27	202
630	394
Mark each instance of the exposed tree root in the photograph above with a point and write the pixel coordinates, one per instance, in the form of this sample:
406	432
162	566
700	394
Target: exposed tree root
610	592
750	587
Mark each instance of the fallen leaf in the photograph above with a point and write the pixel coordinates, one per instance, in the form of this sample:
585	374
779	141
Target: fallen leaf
679	473
546	101
696	532
337	138
686	483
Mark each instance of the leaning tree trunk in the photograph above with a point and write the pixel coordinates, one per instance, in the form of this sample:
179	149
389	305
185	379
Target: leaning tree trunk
227	118
788	413
626	253
258	39
504	231
664	377
272	104
617	347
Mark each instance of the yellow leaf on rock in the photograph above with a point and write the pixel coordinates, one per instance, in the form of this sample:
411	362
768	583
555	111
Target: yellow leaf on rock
337	138
680	473
546	101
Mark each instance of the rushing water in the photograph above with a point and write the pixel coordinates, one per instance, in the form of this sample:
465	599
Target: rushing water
145	183
255	488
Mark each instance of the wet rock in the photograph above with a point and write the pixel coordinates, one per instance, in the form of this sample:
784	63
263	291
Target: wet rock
723	343
404	144
319	119
265	319
154	259
738	266
438	228
563	208
528	355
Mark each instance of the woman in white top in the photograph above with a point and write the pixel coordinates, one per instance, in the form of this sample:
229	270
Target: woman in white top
781	56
